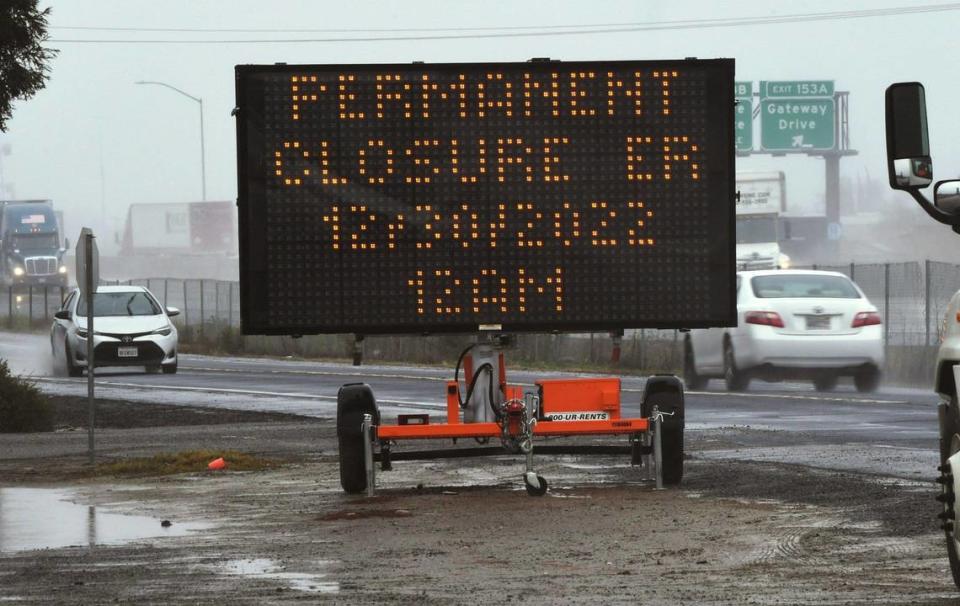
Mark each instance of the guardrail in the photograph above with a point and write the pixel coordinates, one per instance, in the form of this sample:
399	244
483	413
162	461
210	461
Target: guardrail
911	298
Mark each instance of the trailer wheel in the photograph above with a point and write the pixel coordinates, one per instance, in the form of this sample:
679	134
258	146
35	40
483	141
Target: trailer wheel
537	490
950	445
353	401
666	393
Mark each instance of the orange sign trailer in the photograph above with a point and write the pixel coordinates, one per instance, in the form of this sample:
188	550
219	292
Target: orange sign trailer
561	407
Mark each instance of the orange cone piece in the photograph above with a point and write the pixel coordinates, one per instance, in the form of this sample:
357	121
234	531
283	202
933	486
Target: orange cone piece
217	464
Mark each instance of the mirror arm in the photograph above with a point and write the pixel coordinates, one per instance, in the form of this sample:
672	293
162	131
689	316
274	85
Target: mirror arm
933	211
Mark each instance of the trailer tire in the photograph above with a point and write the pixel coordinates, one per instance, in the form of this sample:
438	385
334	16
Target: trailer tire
950	445
666	393
353	401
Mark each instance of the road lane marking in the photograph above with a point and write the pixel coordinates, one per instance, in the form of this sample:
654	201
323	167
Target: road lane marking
225	390
625	390
322	373
782	396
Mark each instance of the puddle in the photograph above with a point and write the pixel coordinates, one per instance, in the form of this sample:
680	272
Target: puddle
264	568
45	518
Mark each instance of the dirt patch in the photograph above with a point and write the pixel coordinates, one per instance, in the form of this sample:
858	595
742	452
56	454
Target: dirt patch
365	514
71	412
465	531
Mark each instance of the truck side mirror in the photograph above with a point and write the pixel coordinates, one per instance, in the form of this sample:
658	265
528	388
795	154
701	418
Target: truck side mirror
908	147
946	196
66	244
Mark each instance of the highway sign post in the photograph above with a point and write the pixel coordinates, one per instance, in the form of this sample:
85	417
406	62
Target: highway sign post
88	277
743	115
797	124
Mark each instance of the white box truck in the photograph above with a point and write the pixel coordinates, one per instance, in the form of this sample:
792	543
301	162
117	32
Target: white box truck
759	207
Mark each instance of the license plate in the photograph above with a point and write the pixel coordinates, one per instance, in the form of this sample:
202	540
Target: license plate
127	352
818	322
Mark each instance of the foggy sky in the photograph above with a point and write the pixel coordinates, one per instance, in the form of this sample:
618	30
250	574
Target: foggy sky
95	142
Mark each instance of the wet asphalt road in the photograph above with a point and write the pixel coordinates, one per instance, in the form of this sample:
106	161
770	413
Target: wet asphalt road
793	423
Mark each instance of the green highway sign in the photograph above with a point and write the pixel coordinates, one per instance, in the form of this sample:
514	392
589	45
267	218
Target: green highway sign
797	124
743	124
796	88
743	88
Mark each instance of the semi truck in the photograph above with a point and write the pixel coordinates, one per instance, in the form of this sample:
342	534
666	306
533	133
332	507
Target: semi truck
910	169
180	228
759	207
30	244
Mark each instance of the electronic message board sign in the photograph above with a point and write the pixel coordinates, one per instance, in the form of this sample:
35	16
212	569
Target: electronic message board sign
500	196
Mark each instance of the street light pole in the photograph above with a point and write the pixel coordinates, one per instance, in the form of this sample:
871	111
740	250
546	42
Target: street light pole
203	153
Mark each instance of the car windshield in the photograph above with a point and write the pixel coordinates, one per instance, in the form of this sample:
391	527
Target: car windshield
756	230
803	286
27	242
120	304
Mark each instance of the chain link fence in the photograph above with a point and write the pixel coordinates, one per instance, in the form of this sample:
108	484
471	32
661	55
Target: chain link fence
911	297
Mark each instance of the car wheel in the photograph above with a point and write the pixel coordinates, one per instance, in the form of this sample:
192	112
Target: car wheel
666	393
353	401
867	379
170	369
949	446
72	369
736	379
826	382
690	376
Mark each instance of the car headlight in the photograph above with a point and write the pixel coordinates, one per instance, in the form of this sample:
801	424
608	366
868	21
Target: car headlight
784	262
63	269
166	330
18	271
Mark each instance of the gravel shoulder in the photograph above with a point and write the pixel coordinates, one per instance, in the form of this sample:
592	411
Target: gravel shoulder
464	531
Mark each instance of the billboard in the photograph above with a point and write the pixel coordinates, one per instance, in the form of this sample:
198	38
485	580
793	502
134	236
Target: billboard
498	196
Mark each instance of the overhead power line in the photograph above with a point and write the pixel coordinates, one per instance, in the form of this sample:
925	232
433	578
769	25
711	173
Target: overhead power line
495	32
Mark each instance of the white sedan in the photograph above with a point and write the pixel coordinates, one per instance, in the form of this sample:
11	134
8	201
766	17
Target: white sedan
130	329
791	324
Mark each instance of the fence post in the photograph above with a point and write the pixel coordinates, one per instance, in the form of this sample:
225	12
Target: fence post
852	272
886	304
186	316
165	293
926	302
46	303
203	316
10	306
30	304
216	300
230	307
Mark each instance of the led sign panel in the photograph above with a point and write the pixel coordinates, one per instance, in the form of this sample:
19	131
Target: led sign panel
503	196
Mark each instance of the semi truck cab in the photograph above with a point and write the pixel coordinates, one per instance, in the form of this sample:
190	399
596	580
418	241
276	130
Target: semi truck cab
30	238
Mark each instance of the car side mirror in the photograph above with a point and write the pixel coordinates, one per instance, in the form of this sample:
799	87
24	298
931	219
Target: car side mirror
946	196
63	314
173	311
908	146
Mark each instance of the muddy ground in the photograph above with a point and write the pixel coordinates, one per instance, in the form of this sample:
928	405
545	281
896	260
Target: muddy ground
464	531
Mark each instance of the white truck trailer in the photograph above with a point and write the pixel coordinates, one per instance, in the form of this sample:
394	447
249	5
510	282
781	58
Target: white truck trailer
761	202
